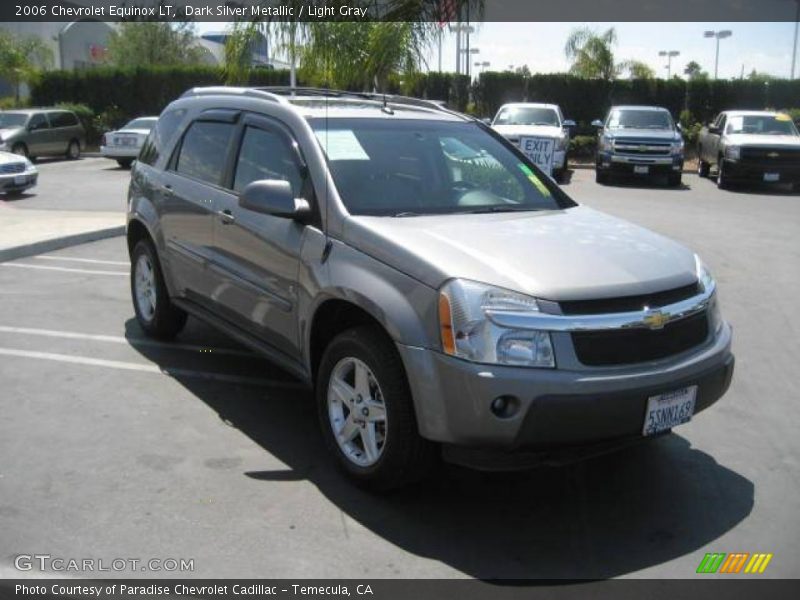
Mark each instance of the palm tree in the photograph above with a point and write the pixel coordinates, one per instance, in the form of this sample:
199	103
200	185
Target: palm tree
637	69
22	59
591	53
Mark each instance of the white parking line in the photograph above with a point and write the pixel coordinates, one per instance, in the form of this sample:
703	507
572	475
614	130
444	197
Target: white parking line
131	366
65	269
93	261
118	339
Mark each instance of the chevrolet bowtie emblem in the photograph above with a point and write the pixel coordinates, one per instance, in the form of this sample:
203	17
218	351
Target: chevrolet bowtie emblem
655	319
773	155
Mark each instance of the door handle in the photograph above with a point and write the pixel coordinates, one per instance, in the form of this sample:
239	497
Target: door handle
168	190
226	217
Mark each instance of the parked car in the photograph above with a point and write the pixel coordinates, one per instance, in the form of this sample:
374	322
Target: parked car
539	131
755	146
123	145
438	291
17	173
642	141
42	132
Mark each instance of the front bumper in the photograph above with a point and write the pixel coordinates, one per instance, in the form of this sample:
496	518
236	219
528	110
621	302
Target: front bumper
18	182
557	407
746	171
115	152
626	165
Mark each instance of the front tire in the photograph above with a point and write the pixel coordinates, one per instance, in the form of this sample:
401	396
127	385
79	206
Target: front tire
20	149
366	412
600	177
125	163
723	182
156	314
674	180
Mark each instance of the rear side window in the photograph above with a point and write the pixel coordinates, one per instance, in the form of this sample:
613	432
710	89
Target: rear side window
266	155
204	151
160	135
63	119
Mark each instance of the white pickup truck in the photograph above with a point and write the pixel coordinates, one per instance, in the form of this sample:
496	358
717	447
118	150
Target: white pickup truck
754	146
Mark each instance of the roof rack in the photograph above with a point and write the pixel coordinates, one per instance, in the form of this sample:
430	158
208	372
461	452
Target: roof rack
218	90
376	96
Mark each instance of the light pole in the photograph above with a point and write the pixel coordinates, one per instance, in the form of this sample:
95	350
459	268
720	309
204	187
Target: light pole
467	52
719	35
669	54
458	29
481	65
794	46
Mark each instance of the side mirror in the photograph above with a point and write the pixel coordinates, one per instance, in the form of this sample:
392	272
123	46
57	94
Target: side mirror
714	130
273	197
678	126
597	123
568	124
486	121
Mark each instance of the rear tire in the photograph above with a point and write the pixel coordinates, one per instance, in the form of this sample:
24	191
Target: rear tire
155	312
73	150
364	400
703	168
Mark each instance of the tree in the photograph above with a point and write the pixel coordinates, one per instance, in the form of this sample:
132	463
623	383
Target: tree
591	53
239	52
759	77
523	70
637	69
694	71
22	59
362	55
140	44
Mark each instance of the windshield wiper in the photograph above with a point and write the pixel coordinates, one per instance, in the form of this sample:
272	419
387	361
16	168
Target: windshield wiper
495	209
407	213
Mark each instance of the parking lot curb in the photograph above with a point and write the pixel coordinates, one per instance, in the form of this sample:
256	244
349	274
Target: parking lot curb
59	243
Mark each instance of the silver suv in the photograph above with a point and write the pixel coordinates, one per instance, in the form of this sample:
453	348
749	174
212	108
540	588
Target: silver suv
440	293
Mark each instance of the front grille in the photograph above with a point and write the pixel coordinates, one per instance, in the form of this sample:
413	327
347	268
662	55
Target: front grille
642	148
629	303
12	168
772	156
628	346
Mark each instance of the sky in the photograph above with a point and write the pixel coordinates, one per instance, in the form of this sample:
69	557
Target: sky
765	47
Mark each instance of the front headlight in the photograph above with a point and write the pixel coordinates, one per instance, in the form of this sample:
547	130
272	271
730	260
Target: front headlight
677	147
608	144
467	331
733	152
707	281
561	143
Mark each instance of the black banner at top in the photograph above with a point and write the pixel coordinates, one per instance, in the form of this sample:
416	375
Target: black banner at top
441	11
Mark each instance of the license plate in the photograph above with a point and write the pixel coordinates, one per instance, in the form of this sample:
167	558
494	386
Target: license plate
669	410
20	179
772	177
125	141
641	169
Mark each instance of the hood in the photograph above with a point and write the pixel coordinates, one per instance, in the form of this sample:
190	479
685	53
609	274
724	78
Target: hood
533	130
10	157
750	139
644	134
9	131
570	254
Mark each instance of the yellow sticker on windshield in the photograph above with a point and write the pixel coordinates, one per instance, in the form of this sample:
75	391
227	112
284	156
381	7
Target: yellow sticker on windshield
534	180
783	118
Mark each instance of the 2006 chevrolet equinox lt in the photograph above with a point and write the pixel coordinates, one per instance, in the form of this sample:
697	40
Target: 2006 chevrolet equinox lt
441	294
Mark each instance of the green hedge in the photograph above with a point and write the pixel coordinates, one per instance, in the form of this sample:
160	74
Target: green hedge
125	93
586	99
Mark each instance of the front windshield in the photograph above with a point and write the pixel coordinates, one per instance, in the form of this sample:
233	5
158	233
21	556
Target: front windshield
762	125
639	119
527	115
410	168
141	124
10	119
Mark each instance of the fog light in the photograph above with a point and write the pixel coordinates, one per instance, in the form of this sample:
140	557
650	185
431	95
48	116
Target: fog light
504	407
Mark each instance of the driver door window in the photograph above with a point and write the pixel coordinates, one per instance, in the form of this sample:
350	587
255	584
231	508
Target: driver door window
266	155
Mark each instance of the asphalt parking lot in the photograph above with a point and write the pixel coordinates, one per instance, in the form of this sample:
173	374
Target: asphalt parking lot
117	446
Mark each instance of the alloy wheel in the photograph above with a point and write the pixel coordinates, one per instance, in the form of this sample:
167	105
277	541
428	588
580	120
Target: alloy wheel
145	287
